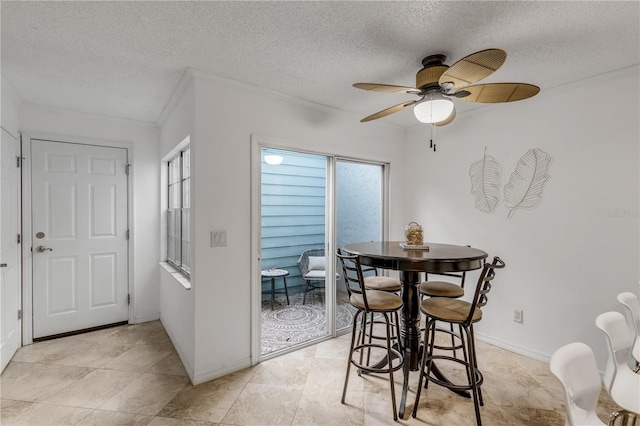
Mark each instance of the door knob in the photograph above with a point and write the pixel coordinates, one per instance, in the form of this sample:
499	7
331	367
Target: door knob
42	249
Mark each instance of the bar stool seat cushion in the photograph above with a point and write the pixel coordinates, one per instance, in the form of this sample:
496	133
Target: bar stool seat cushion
382	283
379	301
441	289
450	310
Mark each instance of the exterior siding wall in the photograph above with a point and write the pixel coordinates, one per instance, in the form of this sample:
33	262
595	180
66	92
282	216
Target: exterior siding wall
293	211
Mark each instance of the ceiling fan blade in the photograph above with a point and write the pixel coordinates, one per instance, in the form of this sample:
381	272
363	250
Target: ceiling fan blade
387	88
473	68
447	120
499	92
388	111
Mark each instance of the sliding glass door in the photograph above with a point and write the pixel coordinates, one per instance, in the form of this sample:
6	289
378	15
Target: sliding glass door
292	249
359	198
309	204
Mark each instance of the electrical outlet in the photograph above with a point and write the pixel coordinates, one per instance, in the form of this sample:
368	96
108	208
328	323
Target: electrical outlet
517	315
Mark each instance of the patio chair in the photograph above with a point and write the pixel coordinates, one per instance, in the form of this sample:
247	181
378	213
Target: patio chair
312	268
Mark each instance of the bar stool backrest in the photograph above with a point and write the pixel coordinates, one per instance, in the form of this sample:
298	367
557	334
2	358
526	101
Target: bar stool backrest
353	278
459	275
483	287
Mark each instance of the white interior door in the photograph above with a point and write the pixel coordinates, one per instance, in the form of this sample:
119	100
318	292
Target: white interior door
79	241
10	324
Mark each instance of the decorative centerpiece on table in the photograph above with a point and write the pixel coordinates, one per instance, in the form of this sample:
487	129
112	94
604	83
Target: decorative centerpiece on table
413	237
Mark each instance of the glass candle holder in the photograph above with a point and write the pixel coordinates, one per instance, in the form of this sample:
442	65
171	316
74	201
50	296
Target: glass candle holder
413	234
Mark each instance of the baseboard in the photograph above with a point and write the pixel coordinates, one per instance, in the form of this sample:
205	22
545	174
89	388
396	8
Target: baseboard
214	373
503	344
146	318
187	366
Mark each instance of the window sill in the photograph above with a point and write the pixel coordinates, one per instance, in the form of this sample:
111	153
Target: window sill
181	278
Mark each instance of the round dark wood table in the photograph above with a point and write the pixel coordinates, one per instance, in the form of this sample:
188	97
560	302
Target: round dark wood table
410	263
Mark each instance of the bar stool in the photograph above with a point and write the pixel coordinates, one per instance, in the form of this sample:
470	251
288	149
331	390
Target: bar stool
464	314
370	302
381	283
437	288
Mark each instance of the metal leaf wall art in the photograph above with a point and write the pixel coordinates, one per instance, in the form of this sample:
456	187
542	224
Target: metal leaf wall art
486	176
524	190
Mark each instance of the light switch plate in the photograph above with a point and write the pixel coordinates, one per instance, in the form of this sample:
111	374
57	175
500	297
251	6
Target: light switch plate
218	238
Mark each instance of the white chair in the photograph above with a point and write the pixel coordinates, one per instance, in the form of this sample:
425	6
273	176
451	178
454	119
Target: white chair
622	384
575	366
630	301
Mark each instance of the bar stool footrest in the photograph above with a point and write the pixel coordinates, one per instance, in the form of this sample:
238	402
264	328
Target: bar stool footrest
450	385
371	369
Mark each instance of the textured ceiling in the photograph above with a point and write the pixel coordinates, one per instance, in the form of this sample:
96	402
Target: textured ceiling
125	59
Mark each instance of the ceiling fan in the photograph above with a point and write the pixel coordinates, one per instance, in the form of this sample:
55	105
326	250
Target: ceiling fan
437	84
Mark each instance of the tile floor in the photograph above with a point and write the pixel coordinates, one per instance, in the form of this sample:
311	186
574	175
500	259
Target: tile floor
131	375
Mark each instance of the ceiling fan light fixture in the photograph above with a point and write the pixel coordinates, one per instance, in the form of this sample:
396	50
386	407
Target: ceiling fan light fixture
433	109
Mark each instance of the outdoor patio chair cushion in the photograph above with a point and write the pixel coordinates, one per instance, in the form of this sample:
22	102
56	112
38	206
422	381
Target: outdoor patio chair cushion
316	263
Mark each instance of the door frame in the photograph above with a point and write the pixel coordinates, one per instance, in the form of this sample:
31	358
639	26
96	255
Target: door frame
257	143
27	232
18	207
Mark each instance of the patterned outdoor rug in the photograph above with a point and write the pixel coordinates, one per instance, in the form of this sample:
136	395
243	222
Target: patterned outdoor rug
288	325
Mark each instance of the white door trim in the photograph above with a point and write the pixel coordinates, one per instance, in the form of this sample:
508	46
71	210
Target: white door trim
27	255
11	280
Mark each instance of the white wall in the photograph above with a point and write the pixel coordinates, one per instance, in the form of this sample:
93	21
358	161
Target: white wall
9	109
145	170
226	115
177	304
567	259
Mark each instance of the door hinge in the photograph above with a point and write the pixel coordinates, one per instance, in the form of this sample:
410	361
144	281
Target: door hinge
128	299
19	314
18	161
128	234
19	239
127	167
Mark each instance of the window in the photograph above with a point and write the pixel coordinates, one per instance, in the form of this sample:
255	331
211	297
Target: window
178	212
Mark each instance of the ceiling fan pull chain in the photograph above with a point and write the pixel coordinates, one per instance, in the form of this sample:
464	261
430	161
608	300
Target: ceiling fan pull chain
433	136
